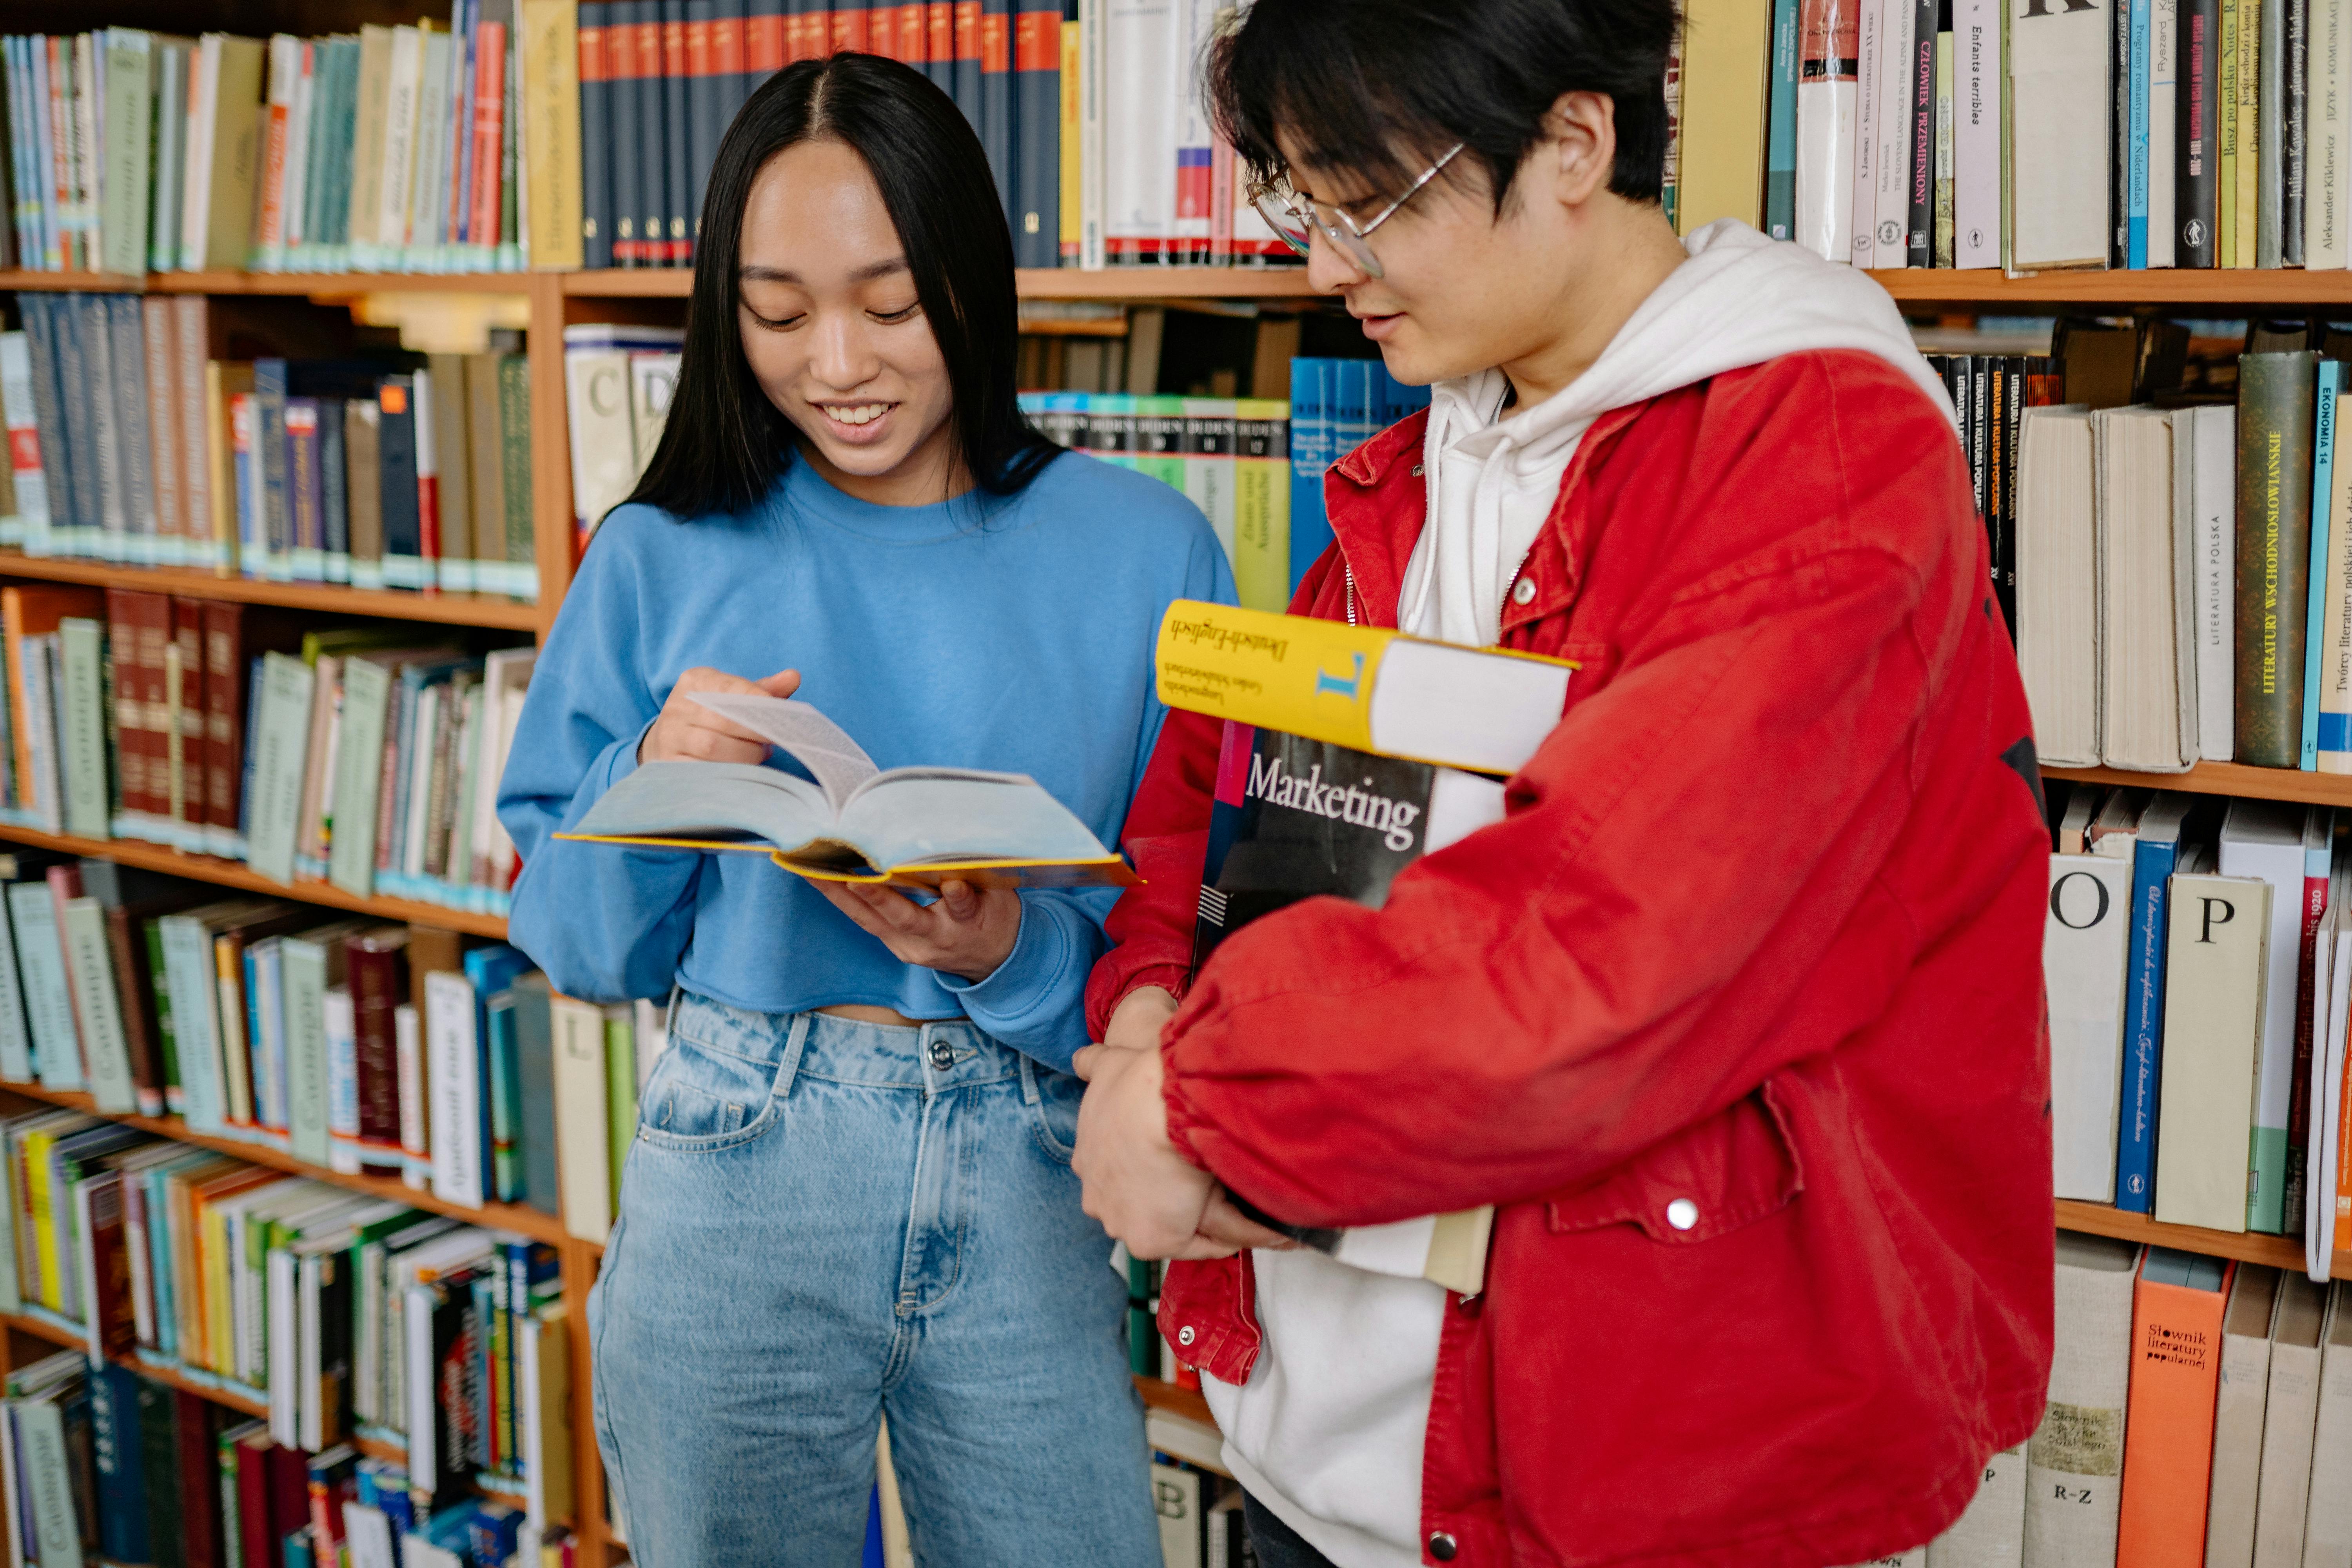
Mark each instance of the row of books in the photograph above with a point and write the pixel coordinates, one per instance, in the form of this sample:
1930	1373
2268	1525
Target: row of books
390	149
366	757
352	1046
2197	953
105	1465
1897	133
2185	576
130	444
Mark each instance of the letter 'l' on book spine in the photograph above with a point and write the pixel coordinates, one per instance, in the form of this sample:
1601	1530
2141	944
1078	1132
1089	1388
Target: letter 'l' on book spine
1827	91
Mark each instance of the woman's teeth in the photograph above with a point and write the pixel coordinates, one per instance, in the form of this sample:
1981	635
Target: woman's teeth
861	413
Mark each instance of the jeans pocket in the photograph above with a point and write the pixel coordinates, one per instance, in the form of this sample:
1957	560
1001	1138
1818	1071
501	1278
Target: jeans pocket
701	1099
1053	1118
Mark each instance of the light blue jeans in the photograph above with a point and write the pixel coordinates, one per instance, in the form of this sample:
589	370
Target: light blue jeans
823	1222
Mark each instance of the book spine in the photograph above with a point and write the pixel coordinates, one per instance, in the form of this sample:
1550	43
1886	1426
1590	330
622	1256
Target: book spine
595	139
2295	70
623	138
2135	138
653	122
763	43
2270	137
490	128
2323	463
1920	183
1037	184
705	95
2163	149
2275	412
2196	108
1781	125
676	139
996	96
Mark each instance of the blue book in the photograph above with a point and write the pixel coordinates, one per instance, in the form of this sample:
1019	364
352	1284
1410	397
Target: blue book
1397	400
277	562
121	1485
2136	175
872	1556
1310	447
2154	856
1781	126
2323	490
489	970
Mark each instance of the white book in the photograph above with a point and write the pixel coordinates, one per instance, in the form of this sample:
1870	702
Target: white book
1979	74
2074	1491
1140	136
1991	1534
16	1037
1093	130
429	182
2085	937
2163	77
1897	63
298	155
269	230
2214	438
1861	228
582	1133
2060	97
453	1071
408	1047
1827	96
32	515
2057	590
2327	1529
2328	1087
2327	61
285	1347
368	1531
2266	839
106	1049
2216	951
2147	595
2289	1423
2240	1401
342	1081
196	182
400	134
41	1428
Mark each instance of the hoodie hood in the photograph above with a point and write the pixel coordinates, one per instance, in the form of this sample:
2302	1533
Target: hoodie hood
1738	301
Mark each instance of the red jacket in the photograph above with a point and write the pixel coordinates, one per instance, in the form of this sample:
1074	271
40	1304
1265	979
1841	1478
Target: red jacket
1762	931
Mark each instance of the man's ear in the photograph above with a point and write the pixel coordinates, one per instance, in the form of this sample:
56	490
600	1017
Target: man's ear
1580	145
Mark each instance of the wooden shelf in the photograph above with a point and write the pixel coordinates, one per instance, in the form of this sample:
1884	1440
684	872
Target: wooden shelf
315	285
515	1217
1143	283
42	1327
442	609
2227	778
236	874
2278	1251
1187	1402
2268	288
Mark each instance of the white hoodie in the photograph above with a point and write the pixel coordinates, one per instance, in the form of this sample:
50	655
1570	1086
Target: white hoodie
1739	300
1327	1433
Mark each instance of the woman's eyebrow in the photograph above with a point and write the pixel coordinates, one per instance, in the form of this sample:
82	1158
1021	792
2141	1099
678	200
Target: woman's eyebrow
865	274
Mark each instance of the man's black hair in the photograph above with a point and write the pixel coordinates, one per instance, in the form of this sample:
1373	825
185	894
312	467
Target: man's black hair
1383	87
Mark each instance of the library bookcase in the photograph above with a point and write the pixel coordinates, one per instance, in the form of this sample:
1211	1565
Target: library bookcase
555	300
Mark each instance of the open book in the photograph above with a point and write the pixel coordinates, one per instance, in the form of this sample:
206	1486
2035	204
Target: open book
904	827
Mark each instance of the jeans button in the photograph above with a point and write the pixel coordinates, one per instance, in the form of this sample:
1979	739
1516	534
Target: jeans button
1441	1546
942	1056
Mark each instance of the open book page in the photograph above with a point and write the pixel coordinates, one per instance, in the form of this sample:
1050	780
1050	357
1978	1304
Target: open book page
837	762
909	817
709	805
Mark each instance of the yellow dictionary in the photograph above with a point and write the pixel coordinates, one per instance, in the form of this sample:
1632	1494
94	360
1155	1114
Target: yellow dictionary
1262	503
550	44
1068	240
37	1193
1365	687
1726	45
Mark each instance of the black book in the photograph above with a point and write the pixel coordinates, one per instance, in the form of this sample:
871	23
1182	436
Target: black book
2197	149
1964	392
396	465
1922	233
653	122
159	1462
2291	170
1037	125
455	1428
727	68
677	136
967	61
705	94
2119	159
335	512
625	143
2014	386
596	133
996	114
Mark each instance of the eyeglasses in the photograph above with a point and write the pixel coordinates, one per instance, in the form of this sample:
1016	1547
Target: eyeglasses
1295	218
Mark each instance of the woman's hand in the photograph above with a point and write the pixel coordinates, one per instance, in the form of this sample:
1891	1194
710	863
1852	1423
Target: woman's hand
967	933
687	731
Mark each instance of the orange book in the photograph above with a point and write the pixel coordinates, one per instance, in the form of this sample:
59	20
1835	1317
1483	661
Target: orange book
30	611
2176	1376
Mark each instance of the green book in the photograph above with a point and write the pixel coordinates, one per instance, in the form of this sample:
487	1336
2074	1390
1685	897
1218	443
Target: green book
280	746
2275	413
129	62
620	1089
106	1049
303	977
359	775
508	1182
16	1041
81	724
514	446
167	1038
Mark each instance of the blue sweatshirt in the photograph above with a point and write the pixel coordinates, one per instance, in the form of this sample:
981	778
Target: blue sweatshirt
1007	633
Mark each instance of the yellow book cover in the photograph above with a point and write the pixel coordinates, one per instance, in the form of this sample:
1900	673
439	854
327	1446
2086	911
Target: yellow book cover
2250	152
1727	48
1369	689
550	140
851	820
2225	227
1066	242
220	1315
44	1234
1262	503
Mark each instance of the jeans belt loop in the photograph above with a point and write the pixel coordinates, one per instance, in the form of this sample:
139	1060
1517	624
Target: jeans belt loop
1028	1078
789	1068
669	1009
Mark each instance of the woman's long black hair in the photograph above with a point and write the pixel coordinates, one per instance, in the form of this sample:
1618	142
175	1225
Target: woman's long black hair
724	444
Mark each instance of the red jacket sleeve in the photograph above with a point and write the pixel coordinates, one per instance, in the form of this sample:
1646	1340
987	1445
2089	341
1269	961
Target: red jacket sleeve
1167	838
1624	955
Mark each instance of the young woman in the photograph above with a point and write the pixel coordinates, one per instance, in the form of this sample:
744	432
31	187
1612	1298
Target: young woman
850	1193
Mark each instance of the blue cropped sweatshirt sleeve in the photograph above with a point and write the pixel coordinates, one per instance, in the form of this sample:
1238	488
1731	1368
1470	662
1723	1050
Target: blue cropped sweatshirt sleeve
1013	634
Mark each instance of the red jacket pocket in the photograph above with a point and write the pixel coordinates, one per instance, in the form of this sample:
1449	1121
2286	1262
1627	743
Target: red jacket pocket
1710	1178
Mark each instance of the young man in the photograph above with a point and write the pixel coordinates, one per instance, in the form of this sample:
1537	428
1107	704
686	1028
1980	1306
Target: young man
1736	1016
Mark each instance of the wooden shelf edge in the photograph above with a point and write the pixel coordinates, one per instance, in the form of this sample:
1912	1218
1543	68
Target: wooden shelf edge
444	609
2278	1251
514	1217
232	874
2226	778
325	285
1186	1402
41	1328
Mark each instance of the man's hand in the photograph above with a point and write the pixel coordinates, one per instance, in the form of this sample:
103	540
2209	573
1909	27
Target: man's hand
1144	1192
687	731
968	931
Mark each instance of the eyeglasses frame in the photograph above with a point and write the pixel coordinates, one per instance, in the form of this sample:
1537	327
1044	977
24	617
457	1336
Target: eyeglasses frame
1355	242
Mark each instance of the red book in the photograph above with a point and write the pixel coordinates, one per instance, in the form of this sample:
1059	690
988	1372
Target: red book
940	16
763	43
373	966
253	1499
675	250
224	713
289	1493
806	32
849	29
881	21
183	751
490	131
967	30
727	54
113	1317
129	701
65	882
194	1429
